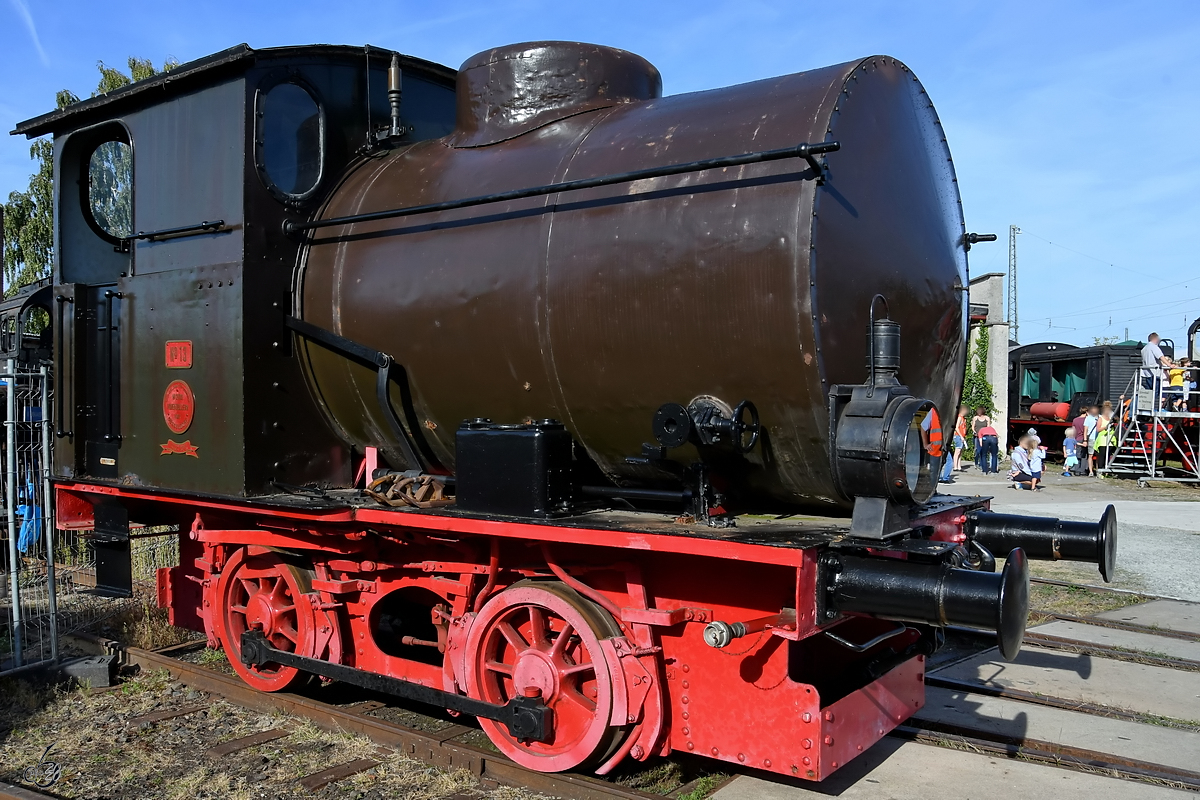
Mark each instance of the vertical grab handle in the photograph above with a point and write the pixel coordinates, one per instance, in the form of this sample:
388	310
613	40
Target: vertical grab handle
113	434
60	367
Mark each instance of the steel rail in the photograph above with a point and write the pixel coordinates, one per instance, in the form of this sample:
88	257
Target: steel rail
1063	643
1107	589
1081	706
1114	653
431	748
1132	627
1052	753
11	792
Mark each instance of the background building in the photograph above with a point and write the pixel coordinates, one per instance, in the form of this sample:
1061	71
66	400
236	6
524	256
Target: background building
987	311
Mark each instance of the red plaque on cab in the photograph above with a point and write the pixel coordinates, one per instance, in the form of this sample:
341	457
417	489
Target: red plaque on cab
178	406
179	355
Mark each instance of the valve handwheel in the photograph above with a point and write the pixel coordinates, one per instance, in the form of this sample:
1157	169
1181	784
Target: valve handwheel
542	638
741	427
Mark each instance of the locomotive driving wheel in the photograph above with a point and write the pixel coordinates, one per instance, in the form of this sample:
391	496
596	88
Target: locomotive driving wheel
265	591
543	638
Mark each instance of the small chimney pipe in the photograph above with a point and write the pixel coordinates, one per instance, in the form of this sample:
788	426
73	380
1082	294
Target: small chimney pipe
395	90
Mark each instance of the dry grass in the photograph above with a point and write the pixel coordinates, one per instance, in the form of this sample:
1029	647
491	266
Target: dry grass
145	625
103	756
1074	601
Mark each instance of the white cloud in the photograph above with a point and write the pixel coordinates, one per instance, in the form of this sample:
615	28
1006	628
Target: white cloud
23	12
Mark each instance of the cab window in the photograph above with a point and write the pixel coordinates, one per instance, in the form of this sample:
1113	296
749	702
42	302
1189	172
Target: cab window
290	140
110	188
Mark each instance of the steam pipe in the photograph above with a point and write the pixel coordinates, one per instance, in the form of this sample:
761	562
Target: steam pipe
1049	539
933	594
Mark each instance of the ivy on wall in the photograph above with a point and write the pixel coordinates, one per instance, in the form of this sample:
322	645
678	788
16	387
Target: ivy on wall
977	391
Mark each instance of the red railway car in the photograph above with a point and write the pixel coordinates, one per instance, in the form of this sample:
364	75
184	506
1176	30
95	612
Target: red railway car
529	393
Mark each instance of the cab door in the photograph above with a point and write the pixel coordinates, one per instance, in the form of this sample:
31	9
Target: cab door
96	227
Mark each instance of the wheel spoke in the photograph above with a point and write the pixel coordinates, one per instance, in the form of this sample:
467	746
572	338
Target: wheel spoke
562	642
238	610
537	627
250	585
500	666
574	697
290	632
515	639
576	669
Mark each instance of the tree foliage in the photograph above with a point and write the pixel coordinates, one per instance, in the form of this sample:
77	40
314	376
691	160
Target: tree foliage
29	215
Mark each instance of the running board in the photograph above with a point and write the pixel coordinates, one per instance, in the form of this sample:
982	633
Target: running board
527	718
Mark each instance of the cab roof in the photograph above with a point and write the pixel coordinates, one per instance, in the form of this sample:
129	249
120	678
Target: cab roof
201	72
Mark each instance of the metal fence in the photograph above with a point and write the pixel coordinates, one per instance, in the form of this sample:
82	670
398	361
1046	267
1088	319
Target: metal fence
48	577
29	598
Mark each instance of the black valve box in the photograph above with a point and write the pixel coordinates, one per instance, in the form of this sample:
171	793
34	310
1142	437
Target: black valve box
514	470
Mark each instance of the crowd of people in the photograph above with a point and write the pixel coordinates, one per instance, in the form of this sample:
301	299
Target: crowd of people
1087	444
1172	381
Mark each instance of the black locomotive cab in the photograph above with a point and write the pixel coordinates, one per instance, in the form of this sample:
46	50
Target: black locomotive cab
173	276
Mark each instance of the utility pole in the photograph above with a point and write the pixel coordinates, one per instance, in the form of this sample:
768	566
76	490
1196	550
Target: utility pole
1013	230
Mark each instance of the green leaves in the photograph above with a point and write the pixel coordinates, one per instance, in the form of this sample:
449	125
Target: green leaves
28	253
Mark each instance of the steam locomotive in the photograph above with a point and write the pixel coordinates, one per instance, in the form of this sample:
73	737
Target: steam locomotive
525	391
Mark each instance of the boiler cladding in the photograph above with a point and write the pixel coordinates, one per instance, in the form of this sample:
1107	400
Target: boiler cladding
597	306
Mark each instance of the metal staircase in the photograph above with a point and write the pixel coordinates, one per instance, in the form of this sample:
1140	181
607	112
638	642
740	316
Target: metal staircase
1153	443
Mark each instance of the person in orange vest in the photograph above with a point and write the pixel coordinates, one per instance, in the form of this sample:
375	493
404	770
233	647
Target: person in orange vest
931	440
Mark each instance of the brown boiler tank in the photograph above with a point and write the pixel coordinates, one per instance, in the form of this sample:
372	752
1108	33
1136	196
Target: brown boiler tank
597	306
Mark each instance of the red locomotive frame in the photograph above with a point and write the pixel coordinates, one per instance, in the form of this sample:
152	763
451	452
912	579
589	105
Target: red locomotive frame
635	677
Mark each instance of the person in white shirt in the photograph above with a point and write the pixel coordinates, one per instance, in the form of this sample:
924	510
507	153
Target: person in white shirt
1091	427
1152	358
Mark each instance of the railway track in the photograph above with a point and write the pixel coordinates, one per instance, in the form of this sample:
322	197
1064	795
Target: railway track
1101	647
973	679
436	742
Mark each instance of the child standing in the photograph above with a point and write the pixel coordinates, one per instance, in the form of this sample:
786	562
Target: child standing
1036	455
1173	392
1070	459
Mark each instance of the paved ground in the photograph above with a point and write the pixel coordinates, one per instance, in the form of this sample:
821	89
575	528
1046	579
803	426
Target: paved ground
895	770
1159	527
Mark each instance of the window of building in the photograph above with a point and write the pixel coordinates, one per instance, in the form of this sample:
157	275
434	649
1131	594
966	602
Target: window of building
110	188
290	139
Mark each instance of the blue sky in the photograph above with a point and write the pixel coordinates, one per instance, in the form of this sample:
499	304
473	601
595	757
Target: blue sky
1076	121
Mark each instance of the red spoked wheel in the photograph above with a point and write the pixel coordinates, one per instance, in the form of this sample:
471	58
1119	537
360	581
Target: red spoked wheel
268	592
545	636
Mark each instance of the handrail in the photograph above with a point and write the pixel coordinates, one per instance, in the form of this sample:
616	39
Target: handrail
805	150
60	368
114	429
